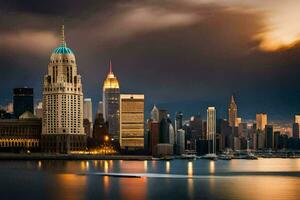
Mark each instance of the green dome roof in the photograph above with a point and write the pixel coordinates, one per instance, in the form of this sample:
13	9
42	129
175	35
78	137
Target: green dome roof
63	50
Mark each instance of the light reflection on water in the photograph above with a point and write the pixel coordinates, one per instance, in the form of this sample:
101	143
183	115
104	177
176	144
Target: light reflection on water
256	180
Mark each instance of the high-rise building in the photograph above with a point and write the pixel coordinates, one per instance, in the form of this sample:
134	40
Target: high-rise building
232	112
211	129
296	130
88	116
132	121
88	109
261	121
269	137
62	130
243	130
180	143
111	103
22	101
178	121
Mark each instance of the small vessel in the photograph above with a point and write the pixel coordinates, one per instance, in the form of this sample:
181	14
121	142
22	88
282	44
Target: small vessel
189	156
225	157
210	156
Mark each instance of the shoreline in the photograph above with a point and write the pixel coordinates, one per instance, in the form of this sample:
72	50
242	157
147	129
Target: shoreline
39	156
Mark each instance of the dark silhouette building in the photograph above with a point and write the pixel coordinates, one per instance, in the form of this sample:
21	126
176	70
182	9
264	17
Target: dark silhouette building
296	130
269	136
22	101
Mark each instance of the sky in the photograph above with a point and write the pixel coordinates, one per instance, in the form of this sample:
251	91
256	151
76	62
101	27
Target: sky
184	55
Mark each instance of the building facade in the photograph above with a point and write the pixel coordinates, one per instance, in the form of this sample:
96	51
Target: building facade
88	116
20	134
211	129
232	112
62	130
261	121
111	104
132	121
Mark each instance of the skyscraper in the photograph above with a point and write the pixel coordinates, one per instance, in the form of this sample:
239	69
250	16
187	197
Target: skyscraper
88	116
178	121
261	121
232	113
296	130
88	109
211	129
132	121
111	103
269	137
62	130
22	101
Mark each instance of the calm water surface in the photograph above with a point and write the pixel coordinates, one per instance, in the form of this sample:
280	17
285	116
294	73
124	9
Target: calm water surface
261	179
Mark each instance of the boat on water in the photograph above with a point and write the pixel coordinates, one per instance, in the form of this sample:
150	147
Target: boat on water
210	156
166	158
247	156
189	156
225	157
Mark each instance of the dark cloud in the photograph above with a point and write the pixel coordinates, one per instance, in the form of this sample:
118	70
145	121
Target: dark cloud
182	55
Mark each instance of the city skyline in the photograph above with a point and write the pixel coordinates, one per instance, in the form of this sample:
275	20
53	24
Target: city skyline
266	74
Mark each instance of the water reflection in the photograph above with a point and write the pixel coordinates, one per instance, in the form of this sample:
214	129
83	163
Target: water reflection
212	167
106	166
190	168
145	165
168	167
64	180
70	186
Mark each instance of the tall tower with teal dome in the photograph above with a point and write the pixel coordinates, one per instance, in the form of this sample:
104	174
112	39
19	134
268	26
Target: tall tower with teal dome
62	130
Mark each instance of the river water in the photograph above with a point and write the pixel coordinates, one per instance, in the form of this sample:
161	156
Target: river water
261	179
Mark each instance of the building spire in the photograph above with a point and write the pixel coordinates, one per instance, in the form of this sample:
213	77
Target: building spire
232	99
62	36
110	67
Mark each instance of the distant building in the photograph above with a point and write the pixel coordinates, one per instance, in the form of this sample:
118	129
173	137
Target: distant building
243	129
22	101
10	108
232	112
100	107
155	114
100	129
196	131
238	120
179	121
154	136
88	115
20	134
296	130
111	104
132	121
211	128
277	140
261	121
39	110
180	143
269	137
